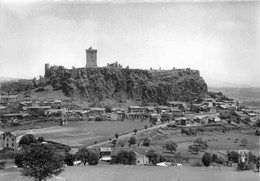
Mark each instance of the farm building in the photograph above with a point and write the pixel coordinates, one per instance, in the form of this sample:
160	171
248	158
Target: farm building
105	153
141	159
10	139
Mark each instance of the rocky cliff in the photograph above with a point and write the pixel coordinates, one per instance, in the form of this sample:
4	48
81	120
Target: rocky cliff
95	84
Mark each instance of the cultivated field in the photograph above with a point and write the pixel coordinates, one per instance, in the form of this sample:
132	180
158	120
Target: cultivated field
87	132
144	173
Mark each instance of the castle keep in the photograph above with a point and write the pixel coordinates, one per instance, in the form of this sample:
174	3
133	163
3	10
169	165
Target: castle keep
91	58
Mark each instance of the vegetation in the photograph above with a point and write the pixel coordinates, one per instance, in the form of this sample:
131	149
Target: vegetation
28	139
85	155
146	142
116	135
2	164
135	131
171	146
69	159
132	140
154	157
206	159
41	162
124	157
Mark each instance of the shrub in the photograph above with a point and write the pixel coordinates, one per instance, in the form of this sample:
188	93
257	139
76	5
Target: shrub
206	159
2	164
146	142
124	157
18	160
69	159
132	140
197	163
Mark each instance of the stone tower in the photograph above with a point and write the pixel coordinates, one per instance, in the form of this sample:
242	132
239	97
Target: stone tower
91	58
47	67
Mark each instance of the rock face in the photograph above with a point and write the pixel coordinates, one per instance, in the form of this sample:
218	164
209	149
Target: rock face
95	84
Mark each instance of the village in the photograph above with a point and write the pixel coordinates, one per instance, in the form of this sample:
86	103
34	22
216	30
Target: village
176	114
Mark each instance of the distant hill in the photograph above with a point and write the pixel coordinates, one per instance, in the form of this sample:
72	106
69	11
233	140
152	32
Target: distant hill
246	96
7	79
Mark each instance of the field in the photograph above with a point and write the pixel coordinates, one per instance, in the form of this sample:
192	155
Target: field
143	173
87	132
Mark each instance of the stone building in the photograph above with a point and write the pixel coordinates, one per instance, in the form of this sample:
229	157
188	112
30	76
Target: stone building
91	56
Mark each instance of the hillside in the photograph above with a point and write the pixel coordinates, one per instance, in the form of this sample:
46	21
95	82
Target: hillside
97	84
246	96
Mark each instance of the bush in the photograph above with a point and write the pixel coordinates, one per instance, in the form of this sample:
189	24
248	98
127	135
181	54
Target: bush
197	163
98	118
146	142
206	159
18	160
2	164
124	157
69	159
132	140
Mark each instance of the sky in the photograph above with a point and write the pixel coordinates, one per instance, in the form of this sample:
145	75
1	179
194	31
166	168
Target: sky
220	39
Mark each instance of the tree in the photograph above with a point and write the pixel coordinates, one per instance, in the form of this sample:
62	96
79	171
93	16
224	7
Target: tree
132	140
114	142
146	142
206	159
92	158
195	149
145	127
202	144
40	139
34	82
82	155
214	158
40	162
171	146
2	164
135	131
116	135
232	156
257	124
27	139
86	155
18	160
153	156
69	159
125	157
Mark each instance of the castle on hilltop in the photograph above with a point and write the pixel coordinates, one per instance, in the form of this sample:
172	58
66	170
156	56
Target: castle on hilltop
91	62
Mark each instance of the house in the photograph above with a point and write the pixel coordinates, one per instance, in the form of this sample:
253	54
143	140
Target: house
105	153
202	119
137	109
141	159
161	109
177	104
208	101
5	99
242	115
116	116
13	117
181	121
37	110
92	113
11	139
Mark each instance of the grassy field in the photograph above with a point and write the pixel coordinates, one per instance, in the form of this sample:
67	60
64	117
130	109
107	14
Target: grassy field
87	132
143	173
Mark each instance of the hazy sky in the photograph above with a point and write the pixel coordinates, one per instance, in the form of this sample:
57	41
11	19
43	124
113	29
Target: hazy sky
221	39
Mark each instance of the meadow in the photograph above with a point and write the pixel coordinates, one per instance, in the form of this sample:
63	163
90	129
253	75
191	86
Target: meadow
143	173
84	133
